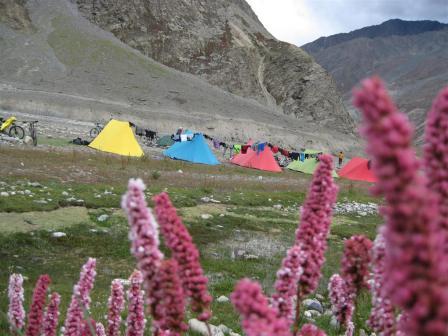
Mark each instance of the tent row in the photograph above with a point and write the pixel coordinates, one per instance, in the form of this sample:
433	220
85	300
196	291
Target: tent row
117	138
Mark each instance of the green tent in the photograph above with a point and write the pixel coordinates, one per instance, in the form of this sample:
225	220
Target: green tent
165	141
308	166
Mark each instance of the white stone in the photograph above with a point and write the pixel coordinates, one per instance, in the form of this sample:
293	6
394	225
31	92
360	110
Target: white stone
103	218
27	192
58	234
206	216
277	206
4	194
64	193
231	333
180	171
27	140
201	328
224	329
260	177
251	257
222	299
205	199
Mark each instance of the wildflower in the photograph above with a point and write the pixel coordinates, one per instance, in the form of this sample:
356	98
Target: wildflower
143	234
135	323
80	299
341	300
99	328
16	312
314	227
436	157
115	306
350	329
257	317
415	262
36	313
382	316
50	323
311	330
355	264
183	250
169	312
286	284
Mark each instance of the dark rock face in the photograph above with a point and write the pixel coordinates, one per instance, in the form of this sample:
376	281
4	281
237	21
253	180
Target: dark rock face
223	42
412	57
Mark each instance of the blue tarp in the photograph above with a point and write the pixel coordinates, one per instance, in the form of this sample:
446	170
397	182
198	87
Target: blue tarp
196	151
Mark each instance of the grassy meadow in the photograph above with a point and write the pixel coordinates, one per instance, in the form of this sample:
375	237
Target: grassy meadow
66	189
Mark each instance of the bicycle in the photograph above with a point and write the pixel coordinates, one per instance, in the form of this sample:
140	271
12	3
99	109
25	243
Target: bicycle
96	130
14	131
32	130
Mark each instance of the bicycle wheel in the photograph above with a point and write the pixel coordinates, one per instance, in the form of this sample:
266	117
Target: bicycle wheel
16	132
94	132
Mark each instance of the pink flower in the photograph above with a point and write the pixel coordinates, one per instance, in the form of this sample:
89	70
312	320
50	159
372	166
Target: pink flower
436	157
314	227
16	312
143	234
350	329
183	250
135	323
415	262
170	309
115	306
311	330
355	264
286	284
382	316
100	329
258	319
80	299
36	313
50	324
341	300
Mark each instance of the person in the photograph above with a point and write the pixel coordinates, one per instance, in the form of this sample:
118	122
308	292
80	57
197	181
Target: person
341	158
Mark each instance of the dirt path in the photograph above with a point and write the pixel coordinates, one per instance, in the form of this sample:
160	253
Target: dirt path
269	99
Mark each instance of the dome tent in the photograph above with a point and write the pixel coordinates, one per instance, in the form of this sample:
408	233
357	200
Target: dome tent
358	169
195	150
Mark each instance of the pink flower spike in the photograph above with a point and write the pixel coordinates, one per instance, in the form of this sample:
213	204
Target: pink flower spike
258	319
36	313
436	157
50	324
415	259
341	301
100	329
183	250
314	227
382	315
355	264
80	299
135	323
286	284
144	234
16	312
170	310
311	330
350	329
115	305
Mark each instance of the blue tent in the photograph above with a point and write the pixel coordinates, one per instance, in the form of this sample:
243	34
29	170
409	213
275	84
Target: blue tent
196	151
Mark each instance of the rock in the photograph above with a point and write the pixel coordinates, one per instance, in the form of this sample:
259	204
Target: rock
231	333
222	299
362	332
12	193
224	329
251	257
27	192
314	313
4	194
320	297
201	328
180	171
40	201
328	312
205	199
35	184
363	213
221	215
93	230
27	140
206	216
334	322
277	206
64	193
260	177
58	234
313	304
307	314
103	218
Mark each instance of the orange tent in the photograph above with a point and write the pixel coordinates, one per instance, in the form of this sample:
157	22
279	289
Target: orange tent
263	161
357	169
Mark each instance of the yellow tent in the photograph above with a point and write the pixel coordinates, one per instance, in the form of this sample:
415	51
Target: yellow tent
117	137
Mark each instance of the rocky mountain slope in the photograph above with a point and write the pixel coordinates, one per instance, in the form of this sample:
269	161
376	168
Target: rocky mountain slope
412	56
223	42
55	62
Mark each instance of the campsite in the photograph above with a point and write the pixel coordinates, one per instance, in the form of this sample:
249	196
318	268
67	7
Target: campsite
223	168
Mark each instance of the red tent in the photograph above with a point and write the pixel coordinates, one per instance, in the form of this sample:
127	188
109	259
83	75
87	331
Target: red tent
357	169
241	159
264	160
